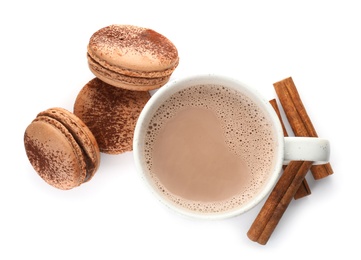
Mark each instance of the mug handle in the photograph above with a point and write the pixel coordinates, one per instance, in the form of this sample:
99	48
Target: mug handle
306	149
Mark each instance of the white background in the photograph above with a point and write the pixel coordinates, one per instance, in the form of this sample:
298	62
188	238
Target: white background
43	64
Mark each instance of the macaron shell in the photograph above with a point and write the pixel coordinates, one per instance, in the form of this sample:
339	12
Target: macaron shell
82	135
110	113
133	51
54	153
124	81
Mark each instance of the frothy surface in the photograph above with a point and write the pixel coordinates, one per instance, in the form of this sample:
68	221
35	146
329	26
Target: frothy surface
225	116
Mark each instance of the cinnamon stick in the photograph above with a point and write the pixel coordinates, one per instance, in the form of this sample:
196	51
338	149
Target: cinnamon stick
299	120
273	103
278	201
304	189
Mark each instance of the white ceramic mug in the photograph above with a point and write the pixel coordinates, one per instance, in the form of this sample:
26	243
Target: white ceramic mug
285	148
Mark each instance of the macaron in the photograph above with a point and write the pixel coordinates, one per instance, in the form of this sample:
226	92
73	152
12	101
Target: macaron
61	148
132	57
110	113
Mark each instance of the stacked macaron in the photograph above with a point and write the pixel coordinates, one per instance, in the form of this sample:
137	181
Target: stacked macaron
61	148
131	57
127	61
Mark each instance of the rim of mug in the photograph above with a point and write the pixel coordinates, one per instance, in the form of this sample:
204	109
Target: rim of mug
174	86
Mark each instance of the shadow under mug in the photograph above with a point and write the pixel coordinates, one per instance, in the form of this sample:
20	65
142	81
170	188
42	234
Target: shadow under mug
285	149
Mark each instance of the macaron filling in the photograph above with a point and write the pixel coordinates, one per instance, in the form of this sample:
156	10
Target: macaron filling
106	73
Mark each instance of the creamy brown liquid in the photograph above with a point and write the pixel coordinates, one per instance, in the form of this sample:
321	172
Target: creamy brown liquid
192	160
209	149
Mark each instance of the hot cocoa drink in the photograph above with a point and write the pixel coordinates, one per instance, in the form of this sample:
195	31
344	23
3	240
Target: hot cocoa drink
209	148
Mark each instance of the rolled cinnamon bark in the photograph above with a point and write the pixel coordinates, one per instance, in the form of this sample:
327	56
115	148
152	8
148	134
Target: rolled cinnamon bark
299	120
278	201
304	189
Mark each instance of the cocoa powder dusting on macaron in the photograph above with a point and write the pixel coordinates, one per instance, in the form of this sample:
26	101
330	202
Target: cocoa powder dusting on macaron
49	163
36	154
160	45
135	39
110	113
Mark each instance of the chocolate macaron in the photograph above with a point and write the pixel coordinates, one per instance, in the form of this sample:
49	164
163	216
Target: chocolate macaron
132	57
61	148
110	113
